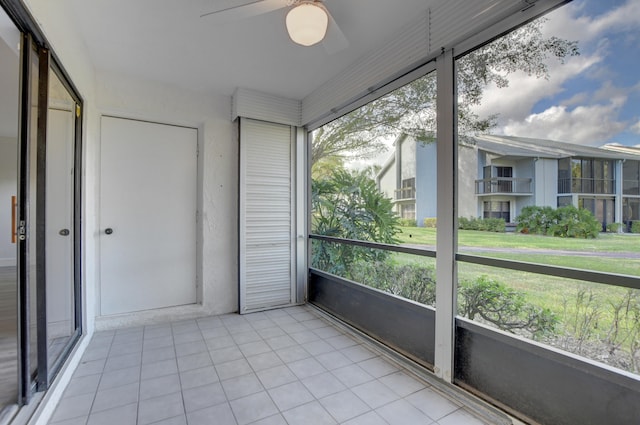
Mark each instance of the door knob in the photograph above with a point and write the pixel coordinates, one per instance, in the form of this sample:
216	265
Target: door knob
108	230
64	232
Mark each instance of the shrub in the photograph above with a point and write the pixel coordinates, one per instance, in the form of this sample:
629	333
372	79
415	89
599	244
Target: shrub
413	282
565	222
430	222
349	205
407	222
572	222
504	307
635	227
533	219
613	227
483	224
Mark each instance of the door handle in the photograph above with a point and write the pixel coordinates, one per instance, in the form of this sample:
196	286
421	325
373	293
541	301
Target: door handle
14	228
108	230
64	232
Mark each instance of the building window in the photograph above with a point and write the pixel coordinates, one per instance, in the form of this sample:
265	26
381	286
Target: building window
497	209
630	211
587	176
408	190
564	175
631	178
564	201
602	208
505	179
408	211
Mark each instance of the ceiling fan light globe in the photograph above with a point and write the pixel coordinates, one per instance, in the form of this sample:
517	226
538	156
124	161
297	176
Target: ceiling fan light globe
307	24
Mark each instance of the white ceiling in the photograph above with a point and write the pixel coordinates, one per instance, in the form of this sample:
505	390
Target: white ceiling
167	41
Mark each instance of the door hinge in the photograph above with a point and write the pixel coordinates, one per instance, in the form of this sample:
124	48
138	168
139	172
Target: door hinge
78	111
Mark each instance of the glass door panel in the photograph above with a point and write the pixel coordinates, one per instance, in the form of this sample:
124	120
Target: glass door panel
9	111
30	194
60	294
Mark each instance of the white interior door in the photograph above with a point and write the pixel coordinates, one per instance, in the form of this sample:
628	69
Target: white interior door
267	215
147	215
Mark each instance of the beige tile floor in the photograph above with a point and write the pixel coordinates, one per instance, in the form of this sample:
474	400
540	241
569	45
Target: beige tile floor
287	366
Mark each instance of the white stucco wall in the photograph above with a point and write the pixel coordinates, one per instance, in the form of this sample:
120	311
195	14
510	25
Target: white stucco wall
545	177
408	166
134	98
387	181
468	172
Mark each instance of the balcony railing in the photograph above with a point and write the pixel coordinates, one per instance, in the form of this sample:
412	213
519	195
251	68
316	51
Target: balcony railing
503	185
586	185
405	193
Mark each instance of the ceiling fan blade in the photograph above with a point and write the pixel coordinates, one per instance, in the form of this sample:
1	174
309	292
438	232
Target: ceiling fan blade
335	39
246	10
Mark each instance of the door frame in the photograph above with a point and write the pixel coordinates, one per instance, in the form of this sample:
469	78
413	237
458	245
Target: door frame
197	223
33	38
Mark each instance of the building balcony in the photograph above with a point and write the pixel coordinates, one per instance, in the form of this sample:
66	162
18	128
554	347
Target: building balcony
587	185
404	193
503	186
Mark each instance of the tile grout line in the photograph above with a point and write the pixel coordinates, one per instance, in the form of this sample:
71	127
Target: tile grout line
95	394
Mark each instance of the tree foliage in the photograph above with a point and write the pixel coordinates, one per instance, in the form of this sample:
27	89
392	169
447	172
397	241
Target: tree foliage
564	222
411	109
349	205
504	307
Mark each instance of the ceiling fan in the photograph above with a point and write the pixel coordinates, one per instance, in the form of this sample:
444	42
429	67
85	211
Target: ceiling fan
308	22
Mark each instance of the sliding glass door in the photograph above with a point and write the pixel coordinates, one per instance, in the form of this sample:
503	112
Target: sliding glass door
9	113
40	147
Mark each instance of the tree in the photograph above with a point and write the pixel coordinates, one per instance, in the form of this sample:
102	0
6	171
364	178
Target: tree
411	109
349	205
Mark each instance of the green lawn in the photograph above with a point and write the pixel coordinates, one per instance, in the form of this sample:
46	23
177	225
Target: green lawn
572	301
606	242
566	247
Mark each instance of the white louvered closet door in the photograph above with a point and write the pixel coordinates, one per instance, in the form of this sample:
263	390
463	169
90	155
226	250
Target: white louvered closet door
267	215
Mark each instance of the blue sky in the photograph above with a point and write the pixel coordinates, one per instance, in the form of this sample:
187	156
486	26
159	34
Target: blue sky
593	98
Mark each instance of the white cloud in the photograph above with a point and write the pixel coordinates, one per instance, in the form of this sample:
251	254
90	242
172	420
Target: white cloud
588	125
524	91
568	21
590	116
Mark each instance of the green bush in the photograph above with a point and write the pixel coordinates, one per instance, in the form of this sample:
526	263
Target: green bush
635	227
482	224
613	227
564	222
349	205
575	222
533	219
413	282
430	222
504	307
482	298
407	222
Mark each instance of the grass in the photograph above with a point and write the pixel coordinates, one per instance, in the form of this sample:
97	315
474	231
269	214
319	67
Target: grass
570	300
605	242
567	248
